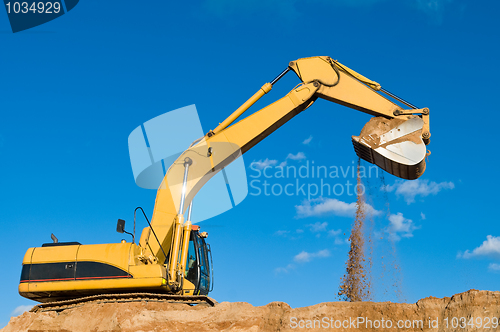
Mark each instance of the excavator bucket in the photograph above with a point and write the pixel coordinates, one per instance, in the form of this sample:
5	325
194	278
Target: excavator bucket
394	145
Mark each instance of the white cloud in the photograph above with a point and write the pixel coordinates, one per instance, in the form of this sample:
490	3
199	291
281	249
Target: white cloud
282	233
494	267
302	257
263	164
298	156
490	247
399	223
318	227
20	310
299	231
323	206
339	241
334	232
422	216
400	227
305	256
411	189
285	269
307	140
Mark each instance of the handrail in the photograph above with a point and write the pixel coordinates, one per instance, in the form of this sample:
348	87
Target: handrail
137	208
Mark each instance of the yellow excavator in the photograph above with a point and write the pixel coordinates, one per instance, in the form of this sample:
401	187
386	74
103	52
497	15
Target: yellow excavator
172	261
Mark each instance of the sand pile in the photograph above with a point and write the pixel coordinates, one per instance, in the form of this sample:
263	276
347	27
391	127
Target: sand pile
429	314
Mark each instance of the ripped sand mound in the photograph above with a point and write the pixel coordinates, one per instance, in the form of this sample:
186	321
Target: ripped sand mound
428	314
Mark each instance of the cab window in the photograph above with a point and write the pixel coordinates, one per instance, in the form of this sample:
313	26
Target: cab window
191	273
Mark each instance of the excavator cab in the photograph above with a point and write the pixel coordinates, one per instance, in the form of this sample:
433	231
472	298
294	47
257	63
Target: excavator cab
199	262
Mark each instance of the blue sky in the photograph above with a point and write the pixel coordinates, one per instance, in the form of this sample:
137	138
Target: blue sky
73	89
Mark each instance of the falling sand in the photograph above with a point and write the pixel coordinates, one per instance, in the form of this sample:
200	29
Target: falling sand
355	285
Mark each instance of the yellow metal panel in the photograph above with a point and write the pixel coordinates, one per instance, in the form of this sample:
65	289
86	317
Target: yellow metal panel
263	90
187	287
374	85
27	256
315	68
148	271
116	254
55	254
164	214
162	226
131	284
349	92
23	287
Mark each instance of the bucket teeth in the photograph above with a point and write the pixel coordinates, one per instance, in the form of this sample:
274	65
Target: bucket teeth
394	145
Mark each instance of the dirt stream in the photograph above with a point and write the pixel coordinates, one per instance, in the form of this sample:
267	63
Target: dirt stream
276	316
355	285
357	282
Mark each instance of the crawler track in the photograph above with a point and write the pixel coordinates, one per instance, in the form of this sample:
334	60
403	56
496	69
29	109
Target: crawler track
118	298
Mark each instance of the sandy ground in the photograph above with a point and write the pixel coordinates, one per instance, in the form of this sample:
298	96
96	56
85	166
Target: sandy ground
479	309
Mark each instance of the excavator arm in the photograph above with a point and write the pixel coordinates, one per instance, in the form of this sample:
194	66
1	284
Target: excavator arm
394	140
